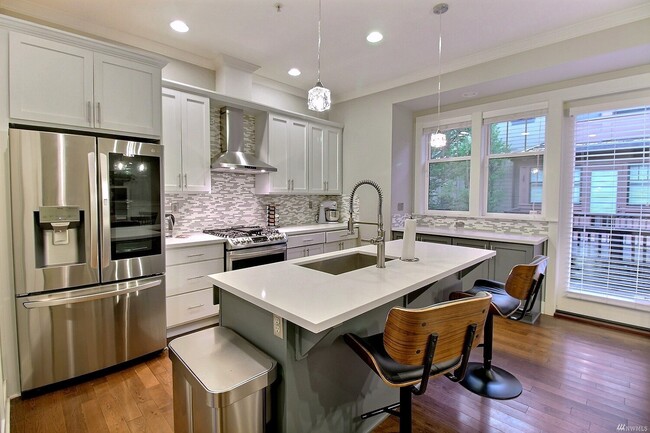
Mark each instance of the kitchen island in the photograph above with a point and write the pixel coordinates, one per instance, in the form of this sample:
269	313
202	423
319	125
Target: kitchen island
323	385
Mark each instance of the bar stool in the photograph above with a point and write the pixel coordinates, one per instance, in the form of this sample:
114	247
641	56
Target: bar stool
523	284
421	343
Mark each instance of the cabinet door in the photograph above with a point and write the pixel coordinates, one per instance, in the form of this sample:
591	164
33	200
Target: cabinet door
195	119
49	81
313	250
509	255
484	270
333	246
324	159
127	95
295	253
298	154
172	139
278	153
334	152
317	159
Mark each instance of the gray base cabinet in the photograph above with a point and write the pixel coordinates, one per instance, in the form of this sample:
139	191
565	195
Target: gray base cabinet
497	268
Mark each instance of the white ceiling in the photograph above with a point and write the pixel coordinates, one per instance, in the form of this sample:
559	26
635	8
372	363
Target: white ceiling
474	31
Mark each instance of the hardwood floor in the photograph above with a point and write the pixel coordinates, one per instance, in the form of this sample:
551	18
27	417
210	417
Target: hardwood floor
576	377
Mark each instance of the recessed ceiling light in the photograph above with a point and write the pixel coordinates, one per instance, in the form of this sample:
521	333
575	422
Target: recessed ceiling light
294	72
179	26
469	94
374	37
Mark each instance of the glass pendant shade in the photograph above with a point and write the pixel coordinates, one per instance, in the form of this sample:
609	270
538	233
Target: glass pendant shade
438	140
318	98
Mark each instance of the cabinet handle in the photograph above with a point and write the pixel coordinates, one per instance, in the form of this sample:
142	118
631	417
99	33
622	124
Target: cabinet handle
194	307
89	109
307	252
99	113
327	185
307	240
195	255
185	180
195	278
288	184
179	180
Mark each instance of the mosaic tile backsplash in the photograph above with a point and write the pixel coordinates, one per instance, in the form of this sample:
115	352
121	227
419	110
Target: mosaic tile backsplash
485	224
233	200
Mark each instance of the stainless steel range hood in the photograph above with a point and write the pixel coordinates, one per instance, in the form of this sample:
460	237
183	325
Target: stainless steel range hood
234	159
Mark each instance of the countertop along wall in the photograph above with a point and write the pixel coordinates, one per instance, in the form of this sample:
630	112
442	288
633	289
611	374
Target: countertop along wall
233	200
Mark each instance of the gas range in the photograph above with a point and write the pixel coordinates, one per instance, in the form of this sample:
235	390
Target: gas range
240	237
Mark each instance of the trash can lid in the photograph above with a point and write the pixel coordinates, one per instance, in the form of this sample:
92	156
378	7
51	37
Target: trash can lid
226	365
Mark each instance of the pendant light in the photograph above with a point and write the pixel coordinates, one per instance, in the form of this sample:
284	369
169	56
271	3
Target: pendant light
318	98
439	139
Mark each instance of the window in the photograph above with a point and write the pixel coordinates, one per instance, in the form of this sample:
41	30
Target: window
639	186
448	168
610	225
515	163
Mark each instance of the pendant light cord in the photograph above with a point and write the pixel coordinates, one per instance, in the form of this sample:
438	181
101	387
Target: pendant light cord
439	66
319	18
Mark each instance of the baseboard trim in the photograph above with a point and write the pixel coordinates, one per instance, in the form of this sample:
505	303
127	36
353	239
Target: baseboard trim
602	323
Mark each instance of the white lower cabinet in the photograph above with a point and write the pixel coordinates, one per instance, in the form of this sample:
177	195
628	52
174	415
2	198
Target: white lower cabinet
310	244
310	250
339	240
305	245
190	297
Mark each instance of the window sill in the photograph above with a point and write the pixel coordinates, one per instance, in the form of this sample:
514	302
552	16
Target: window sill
610	300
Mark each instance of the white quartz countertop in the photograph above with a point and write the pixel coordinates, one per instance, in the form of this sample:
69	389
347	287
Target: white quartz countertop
192	239
298	230
515	238
317	301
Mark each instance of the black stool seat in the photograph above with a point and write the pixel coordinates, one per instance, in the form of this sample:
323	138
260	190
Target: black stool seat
502	303
371	349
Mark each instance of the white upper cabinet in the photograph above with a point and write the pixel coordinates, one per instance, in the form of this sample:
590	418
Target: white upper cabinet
50	81
186	139
288	152
69	85
307	156
127	95
324	159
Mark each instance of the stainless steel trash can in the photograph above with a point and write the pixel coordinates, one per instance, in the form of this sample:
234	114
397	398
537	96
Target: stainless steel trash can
221	383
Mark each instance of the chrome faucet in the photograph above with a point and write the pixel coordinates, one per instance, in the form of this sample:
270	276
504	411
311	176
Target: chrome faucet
380	240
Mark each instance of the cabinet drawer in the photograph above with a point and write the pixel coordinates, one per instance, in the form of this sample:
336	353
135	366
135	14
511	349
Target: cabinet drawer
177	256
190	306
303	240
340	235
191	276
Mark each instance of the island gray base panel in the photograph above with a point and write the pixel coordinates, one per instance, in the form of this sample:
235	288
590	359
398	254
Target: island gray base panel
327	390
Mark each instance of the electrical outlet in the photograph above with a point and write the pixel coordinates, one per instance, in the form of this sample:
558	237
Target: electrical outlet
311	206
277	327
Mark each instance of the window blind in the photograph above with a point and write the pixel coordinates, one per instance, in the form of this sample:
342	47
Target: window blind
610	233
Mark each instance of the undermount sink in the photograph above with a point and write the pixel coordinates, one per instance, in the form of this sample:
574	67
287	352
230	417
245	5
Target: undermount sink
342	264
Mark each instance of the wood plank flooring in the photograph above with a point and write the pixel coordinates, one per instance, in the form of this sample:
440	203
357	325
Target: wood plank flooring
576	377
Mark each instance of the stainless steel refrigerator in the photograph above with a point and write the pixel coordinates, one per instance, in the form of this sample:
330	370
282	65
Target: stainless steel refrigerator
87	218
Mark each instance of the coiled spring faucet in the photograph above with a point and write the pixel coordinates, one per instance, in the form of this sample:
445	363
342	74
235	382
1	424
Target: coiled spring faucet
380	240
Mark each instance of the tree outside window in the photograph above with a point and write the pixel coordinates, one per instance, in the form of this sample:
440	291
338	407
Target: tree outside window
449	168
515	165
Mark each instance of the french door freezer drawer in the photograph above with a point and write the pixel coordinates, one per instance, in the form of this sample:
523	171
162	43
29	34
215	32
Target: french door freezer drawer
68	334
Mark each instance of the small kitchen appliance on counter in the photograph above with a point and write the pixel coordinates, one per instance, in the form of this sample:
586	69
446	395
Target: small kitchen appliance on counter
328	213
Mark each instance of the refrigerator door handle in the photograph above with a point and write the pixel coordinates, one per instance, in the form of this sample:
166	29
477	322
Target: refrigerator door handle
92	210
106	210
110	293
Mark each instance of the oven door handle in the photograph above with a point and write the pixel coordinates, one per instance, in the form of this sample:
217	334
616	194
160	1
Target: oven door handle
263	251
